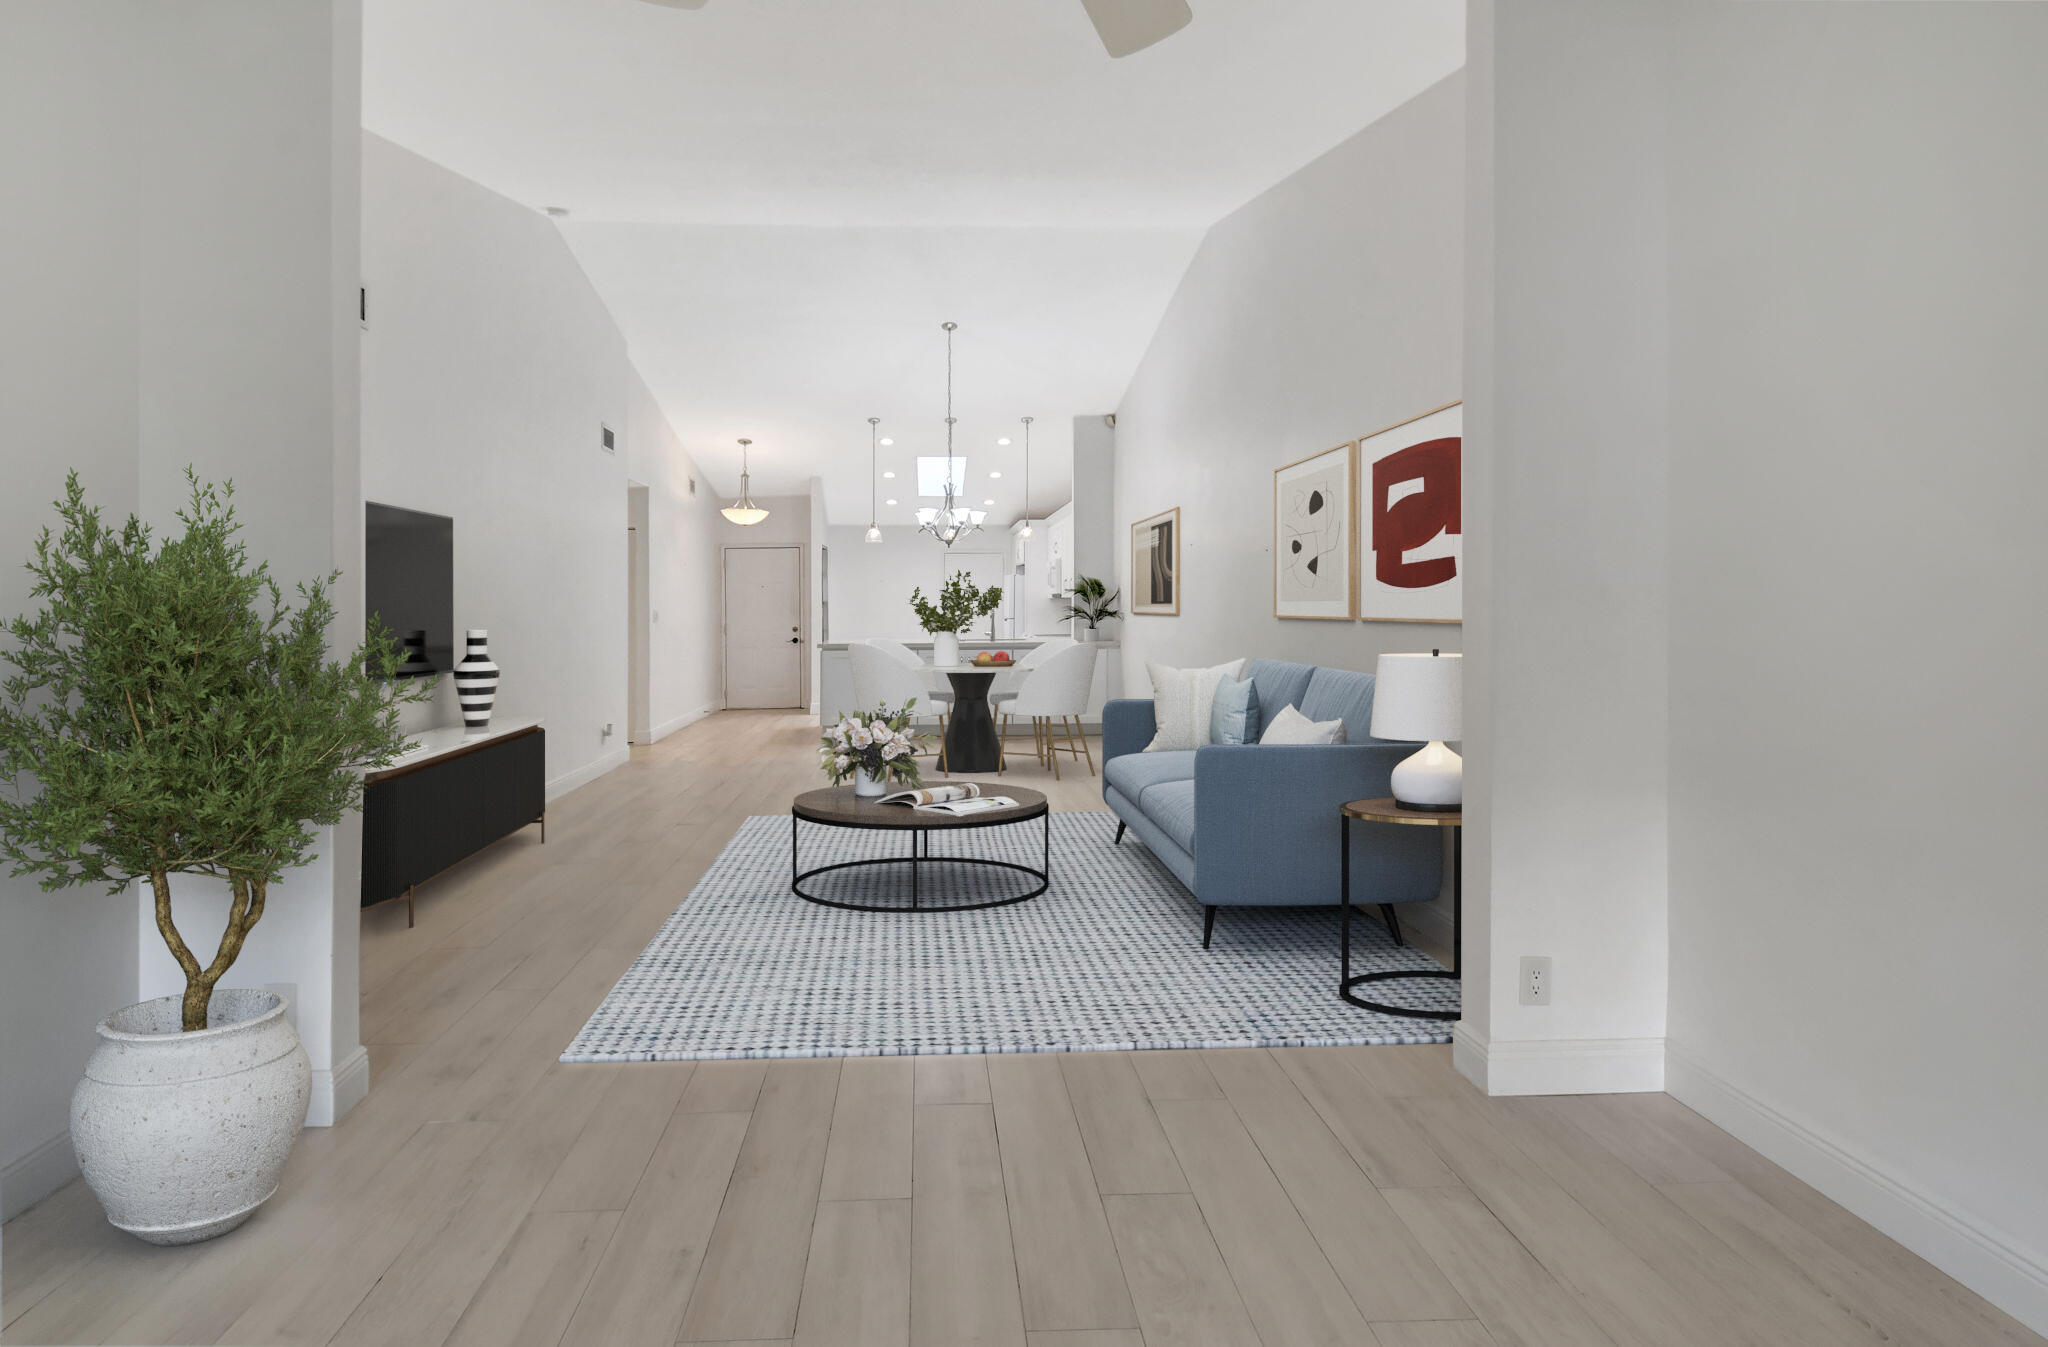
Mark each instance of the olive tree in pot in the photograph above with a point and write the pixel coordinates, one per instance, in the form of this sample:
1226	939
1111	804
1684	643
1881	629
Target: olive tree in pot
170	713
961	601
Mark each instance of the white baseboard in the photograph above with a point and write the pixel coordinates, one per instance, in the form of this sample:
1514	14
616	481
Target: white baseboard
36	1175
668	727
589	772
1981	1257
337	1091
1558	1065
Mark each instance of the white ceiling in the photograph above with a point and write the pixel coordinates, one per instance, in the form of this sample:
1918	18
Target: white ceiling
781	199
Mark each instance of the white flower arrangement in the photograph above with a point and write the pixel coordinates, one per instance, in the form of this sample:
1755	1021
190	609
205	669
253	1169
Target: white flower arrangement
878	742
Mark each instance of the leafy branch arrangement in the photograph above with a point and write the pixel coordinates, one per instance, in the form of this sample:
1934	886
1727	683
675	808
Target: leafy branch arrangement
1094	602
159	722
879	743
960	602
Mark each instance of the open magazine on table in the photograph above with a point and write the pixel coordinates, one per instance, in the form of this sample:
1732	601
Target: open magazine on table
958	800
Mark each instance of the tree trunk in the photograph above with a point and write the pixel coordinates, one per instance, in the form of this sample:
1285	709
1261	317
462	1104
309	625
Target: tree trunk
200	982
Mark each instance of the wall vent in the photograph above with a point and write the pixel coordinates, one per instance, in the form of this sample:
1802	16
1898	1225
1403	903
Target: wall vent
609	446
693	486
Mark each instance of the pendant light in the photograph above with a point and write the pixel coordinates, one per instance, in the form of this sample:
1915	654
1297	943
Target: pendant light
1025	532
949	524
743	511
874	533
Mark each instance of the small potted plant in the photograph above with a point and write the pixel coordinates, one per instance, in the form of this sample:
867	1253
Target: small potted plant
961	601
1094	603
164	719
875	748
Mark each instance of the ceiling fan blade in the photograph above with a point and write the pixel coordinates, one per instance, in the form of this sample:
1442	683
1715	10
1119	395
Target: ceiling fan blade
1126	26
679	4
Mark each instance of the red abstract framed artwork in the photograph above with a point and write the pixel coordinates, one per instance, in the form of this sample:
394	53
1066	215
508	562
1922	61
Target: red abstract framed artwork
1411	519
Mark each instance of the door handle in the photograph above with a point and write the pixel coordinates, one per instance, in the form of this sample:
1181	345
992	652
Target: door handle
796	640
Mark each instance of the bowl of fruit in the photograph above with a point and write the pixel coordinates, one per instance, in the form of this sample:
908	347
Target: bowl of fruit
993	659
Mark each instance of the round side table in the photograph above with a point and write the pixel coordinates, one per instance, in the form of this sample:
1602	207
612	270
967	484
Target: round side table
1388	810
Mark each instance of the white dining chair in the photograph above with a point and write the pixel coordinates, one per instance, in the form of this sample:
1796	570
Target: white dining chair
938	688
880	679
1006	683
1056	691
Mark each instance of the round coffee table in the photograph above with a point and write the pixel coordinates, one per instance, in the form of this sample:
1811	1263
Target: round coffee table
839	807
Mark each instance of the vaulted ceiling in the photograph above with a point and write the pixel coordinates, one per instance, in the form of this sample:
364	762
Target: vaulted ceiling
781	200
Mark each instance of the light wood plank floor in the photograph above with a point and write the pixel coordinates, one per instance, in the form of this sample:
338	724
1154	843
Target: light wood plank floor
486	1194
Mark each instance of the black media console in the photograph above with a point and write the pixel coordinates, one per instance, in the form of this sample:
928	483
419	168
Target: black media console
421	817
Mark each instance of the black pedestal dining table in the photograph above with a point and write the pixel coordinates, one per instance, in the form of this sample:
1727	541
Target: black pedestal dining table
971	743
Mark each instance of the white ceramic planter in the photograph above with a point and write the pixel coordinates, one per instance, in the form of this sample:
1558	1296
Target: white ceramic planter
946	647
868	786
182	1136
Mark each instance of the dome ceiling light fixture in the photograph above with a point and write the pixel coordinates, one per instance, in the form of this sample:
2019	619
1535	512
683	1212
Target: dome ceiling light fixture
1124	26
743	511
949	523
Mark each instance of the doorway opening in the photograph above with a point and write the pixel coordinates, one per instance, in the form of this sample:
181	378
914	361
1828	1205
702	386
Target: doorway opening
639	620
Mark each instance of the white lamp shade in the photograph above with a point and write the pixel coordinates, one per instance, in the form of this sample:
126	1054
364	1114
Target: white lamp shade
1419	697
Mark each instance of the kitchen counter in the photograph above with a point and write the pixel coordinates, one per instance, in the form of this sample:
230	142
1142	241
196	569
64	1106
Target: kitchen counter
836	672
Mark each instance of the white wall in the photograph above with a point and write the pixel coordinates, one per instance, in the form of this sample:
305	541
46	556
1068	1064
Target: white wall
1327	307
871	582
1565	718
489	366
67	378
187	302
1859	456
685	651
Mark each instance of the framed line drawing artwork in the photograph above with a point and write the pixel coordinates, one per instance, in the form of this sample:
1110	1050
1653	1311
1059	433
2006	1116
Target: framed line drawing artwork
1315	536
1413	519
1155	565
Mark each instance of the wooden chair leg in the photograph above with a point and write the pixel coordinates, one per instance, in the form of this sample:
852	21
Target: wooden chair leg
1088	752
1052	750
1002	744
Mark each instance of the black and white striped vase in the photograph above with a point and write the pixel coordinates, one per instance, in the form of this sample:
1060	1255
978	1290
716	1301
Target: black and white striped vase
476	680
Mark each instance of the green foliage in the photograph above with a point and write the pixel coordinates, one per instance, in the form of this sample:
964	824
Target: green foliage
1096	603
169	712
960	602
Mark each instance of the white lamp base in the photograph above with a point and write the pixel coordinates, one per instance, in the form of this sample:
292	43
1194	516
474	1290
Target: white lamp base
1432	779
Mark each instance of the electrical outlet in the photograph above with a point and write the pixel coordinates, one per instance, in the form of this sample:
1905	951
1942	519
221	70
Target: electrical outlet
1535	979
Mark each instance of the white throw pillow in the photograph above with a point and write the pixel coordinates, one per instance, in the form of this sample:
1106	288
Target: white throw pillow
1181	700
1292	727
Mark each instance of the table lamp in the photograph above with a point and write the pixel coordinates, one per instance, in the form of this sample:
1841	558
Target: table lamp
1421	697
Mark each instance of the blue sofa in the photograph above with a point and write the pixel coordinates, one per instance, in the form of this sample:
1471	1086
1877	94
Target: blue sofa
1257	824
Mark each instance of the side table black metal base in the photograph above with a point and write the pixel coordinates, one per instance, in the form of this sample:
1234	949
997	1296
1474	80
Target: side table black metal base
1346	981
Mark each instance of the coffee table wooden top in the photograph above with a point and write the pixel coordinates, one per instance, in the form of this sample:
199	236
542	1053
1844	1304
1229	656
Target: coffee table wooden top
1387	809
839	806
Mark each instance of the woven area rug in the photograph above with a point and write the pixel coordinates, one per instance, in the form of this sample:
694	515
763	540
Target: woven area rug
1109	957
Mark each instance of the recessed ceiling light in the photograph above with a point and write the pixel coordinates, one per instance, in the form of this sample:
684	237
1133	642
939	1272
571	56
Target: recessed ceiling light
887	440
1004	440
989	501
888	474
888	502
558	212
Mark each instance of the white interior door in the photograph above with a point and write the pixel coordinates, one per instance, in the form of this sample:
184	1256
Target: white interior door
986	570
764	648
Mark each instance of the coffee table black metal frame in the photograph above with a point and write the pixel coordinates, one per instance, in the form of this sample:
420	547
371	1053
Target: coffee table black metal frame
1391	812
920	826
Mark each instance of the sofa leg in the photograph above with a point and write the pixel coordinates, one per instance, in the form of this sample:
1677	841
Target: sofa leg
1393	922
1208	923
1119	833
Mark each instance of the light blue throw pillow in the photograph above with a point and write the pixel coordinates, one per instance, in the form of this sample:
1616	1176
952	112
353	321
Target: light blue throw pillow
1234	715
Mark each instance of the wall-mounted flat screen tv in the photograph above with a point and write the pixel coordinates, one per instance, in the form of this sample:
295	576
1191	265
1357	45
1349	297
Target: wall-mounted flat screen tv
409	582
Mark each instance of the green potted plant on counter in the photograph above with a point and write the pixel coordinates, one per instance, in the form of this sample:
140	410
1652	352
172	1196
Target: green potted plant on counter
170	713
961	601
1094	603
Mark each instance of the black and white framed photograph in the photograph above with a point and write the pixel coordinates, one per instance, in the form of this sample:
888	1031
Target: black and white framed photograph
1155	565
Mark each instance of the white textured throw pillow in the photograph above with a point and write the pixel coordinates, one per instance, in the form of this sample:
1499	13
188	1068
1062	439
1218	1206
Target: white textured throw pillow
1181	700
1292	727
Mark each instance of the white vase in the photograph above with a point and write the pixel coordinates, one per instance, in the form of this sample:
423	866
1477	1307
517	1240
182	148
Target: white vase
476	680
946	647
1090	635
182	1136
866	785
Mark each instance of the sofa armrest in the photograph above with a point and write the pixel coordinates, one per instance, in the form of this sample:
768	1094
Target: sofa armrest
1266	826
1127	726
